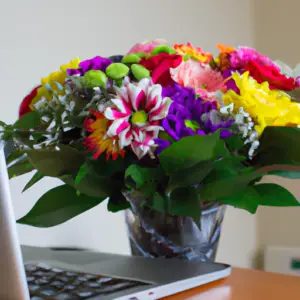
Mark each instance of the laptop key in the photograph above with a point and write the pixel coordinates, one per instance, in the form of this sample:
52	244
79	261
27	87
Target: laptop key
84	294
62	278
30	278
57	284
33	287
44	266
30	268
41	281
48	292
63	296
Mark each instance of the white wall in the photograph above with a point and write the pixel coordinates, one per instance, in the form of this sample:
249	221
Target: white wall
37	36
277	35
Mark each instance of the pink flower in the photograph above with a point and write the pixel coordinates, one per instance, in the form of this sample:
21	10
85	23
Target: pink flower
242	55
200	77
146	46
135	117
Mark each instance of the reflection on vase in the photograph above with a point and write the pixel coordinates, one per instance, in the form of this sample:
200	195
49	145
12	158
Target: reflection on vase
154	234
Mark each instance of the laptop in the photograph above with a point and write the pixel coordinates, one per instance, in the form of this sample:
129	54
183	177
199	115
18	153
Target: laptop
36	273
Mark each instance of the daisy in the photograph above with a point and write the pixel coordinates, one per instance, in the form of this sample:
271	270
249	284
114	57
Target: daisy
136	114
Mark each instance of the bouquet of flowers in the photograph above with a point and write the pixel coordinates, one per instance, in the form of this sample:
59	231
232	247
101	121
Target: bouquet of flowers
174	123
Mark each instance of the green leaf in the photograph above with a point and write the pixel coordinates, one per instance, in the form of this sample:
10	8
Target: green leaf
275	195
108	168
140	72
27	121
57	206
286	174
234	143
2	124
55	163
15	157
92	185
159	203
247	199
224	187
190	151
83	171
94	78
267	194
117	70
279	145
185	201
163	48
142	175
131	59
20	168
117	203
35	178
224	168
191	176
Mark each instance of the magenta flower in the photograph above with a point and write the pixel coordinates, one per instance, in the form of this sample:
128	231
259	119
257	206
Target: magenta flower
242	55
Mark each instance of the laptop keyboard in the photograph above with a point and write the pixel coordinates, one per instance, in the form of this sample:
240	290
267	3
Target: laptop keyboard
47	282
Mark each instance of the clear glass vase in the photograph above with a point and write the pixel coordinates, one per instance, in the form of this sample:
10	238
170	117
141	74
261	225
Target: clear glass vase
154	234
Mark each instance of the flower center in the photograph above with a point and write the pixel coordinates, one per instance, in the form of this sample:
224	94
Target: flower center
192	124
139	118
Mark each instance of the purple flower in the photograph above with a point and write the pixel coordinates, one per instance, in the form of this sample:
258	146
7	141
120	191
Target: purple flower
189	115
96	63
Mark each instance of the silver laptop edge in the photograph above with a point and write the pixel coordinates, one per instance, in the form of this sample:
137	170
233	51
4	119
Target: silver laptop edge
13	284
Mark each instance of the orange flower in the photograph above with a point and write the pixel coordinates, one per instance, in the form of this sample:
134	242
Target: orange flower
225	49
97	141
223	59
194	53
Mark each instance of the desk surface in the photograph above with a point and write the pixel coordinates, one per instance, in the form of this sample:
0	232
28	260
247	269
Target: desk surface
246	284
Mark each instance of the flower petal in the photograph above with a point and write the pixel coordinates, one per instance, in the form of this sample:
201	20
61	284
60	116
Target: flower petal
154	98
133	92
118	126
125	138
113	114
121	105
140	101
122	93
161	112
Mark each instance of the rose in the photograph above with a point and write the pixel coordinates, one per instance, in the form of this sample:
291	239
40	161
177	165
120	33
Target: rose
146	46
201	77
160	66
25	104
271	74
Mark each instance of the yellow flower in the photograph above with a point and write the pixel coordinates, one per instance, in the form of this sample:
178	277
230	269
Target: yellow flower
266	107
191	52
41	92
60	76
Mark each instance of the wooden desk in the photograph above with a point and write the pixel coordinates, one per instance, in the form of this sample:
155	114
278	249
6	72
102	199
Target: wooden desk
246	284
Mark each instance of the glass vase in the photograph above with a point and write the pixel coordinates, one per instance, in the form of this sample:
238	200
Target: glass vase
156	234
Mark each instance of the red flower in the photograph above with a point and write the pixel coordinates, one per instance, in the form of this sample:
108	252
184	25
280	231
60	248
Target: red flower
160	65
25	105
271	74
